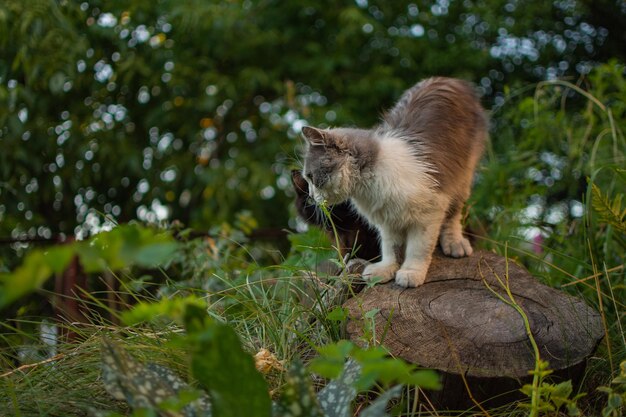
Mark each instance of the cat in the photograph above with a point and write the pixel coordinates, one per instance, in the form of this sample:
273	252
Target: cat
356	238
409	176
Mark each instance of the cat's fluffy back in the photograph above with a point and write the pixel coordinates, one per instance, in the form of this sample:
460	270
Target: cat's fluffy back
443	121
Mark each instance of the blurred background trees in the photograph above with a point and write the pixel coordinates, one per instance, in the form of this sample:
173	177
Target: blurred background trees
190	111
160	111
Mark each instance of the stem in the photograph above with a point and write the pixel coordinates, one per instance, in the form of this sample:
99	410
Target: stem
601	307
335	234
538	371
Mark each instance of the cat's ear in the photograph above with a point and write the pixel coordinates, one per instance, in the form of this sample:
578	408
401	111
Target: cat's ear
315	137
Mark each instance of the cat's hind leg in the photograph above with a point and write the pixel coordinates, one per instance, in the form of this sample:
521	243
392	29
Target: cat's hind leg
387	267
420	244
451	238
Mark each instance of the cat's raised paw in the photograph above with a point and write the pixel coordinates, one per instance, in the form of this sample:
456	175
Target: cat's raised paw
379	269
457	248
410	277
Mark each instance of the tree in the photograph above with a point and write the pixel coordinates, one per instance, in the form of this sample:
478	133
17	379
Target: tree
191	110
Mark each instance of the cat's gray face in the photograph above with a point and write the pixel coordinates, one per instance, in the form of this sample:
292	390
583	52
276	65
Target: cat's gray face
329	165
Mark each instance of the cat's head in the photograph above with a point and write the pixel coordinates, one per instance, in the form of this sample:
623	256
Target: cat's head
334	161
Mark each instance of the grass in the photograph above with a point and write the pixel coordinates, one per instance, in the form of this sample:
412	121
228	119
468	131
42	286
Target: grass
281	309
283	306
70	385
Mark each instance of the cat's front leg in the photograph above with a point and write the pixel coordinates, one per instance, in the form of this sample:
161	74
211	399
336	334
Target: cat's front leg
387	267
420	243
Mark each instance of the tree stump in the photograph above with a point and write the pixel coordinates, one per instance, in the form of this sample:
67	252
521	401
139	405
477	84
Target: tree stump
453	323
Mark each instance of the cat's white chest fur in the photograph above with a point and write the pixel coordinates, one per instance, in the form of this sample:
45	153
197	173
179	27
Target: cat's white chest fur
400	189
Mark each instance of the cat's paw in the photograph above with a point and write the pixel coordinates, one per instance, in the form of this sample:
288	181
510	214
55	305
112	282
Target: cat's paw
379	269
457	247
410	277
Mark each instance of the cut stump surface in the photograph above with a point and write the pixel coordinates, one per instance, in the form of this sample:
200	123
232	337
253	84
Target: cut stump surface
454	323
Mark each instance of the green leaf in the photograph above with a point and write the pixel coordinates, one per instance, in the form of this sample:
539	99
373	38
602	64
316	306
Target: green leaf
615	401
150	386
37	268
527	390
174	308
119	248
338	314
376	366
425	378
336	397
371	282
332	358
371	314
377	408
298	396
125	246
156	254
610	212
561	393
228	373
572	410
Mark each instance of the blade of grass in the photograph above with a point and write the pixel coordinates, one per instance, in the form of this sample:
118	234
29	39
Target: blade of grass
601	307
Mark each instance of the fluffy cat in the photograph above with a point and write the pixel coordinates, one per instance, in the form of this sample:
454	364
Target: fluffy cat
356	237
409	176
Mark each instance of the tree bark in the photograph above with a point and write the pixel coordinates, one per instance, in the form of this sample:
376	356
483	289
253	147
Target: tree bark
455	324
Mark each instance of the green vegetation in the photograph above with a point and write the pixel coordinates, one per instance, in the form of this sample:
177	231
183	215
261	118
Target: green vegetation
270	309
112	111
160	135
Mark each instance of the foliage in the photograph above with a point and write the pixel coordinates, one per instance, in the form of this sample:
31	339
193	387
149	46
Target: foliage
234	386
335	399
298	396
122	247
208	343
224	252
551	397
154	388
533	197
617	394
68	382
309	249
147	387
609	212
533	192
217	356
187	114
189	111
545	397
376	367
